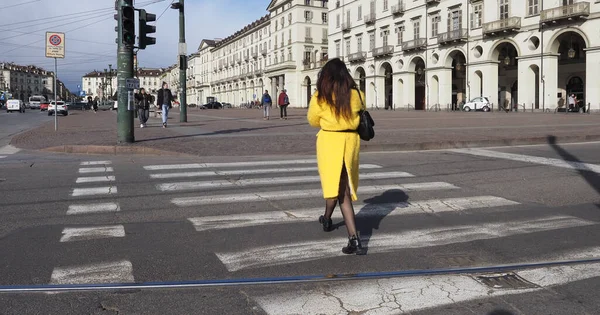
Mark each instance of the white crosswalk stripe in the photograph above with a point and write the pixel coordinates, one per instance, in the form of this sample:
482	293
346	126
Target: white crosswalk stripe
106	272
87	170
233	164
2	156
92	233
87	163
8	150
93	208
95	179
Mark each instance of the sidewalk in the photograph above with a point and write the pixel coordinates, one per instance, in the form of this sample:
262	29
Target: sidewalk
243	132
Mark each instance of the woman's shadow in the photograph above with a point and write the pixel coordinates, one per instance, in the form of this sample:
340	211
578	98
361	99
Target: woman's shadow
375	210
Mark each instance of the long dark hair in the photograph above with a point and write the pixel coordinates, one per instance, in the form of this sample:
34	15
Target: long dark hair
335	86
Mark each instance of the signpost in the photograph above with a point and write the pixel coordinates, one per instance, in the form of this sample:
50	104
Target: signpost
55	48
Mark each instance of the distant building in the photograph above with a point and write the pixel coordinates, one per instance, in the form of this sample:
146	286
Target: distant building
25	81
103	84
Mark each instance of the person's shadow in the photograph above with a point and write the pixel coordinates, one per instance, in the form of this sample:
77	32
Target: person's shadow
375	210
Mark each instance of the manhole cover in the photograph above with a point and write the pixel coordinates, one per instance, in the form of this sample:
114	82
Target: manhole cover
505	281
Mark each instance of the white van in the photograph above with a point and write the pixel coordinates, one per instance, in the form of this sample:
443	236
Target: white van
15	105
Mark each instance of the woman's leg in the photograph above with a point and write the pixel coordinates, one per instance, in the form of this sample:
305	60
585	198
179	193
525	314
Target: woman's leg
285	111
345	199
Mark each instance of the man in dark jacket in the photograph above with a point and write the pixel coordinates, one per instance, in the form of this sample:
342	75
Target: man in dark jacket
283	103
164	101
143	100
266	102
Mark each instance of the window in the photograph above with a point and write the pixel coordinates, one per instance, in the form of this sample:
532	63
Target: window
290	18
360	12
455	20
324	17
504	9
385	5
324	3
308	15
337	48
400	32
476	15
306	2
435	23
347	46
417	29
371	41
533	7
385	34
359	43
337	21
307	31
307	57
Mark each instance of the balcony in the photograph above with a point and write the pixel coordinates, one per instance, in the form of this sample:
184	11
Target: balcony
308	39
258	73
575	11
286	65
324	41
414	44
453	36
238	60
255	55
263	52
383	51
346	27
511	24
398	9
431	2
370	19
357	57
247	57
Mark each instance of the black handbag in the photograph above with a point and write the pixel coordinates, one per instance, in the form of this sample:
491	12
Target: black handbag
365	127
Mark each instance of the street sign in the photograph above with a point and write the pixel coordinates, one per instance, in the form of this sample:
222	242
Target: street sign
82	93
55	45
132	83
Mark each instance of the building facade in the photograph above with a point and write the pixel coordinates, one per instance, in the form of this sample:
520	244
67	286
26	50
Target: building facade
282	50
200	73
25	81
104	84
428	54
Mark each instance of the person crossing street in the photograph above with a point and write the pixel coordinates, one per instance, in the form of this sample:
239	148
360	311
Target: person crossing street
283	103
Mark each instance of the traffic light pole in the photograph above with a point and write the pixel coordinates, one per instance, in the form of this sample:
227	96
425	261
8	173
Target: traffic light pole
182	65
125	131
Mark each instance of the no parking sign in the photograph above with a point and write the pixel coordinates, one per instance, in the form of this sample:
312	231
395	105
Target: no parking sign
55	45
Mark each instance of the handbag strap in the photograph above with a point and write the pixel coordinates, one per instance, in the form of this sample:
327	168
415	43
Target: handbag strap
361	99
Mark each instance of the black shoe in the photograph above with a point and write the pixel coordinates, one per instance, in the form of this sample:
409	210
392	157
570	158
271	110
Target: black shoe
354	246
327	224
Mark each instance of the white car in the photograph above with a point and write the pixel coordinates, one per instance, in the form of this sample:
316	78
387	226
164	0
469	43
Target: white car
61	108
478	103
15	106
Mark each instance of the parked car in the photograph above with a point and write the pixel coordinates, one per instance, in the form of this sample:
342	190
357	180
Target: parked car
60	107
478	103
213	105
227	105
44	106
15	106
79	105
106	105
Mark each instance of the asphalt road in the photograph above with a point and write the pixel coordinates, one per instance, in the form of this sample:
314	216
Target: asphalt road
69	219
14	123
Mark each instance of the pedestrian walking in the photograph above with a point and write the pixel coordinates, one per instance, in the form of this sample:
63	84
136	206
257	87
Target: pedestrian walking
266	104
165	101
95	104
283	102
334	108
143	100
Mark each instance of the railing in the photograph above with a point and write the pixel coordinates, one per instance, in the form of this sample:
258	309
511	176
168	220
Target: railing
346	26
255	55
308	39
258	73
325	41
413	44
575	10
382	51
432	1
370	18
455	35
398	9
503	25
264	52
358	56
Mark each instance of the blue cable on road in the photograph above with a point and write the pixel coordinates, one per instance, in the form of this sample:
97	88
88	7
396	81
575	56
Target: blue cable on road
286	280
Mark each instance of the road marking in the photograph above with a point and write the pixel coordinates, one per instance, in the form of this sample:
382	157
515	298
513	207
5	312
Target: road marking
258	257
93	208
108	190
8	150
531	159
96	179
267	181
110	272
95	163
95	170
2	156
369	210
412	294
233	164
92	233
294	194
248	172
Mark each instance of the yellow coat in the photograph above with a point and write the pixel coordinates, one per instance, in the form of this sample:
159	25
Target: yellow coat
335	149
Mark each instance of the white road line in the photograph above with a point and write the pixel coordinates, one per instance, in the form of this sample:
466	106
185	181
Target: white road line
249	172
108	190
412	294
233	164
267	181
96	179
294	194
531	159
93	208
369	210
8	150
2	156
87	170
95	163
110	272
92	233
258	257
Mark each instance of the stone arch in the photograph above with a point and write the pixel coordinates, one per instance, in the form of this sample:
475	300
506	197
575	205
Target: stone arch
554	43
450	56
385	66
412	64
495	53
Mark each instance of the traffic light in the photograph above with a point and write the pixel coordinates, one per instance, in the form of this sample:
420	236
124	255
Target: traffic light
127	25
146	29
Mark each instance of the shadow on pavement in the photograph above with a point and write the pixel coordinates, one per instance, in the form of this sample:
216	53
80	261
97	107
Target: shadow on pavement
591	177
375	210
500	312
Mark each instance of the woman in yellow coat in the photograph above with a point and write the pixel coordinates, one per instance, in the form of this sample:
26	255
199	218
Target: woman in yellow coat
334	108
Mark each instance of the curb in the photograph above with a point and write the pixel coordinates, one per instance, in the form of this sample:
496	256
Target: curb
110	150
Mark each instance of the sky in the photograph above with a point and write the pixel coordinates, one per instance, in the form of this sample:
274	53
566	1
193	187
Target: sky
90	35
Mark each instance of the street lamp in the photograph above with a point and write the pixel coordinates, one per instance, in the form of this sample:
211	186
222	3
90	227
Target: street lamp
571	53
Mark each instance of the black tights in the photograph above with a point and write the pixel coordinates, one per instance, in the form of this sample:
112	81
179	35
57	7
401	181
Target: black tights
283	111
345	199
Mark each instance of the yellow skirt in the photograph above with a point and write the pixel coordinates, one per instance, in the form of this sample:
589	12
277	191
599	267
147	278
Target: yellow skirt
335	150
